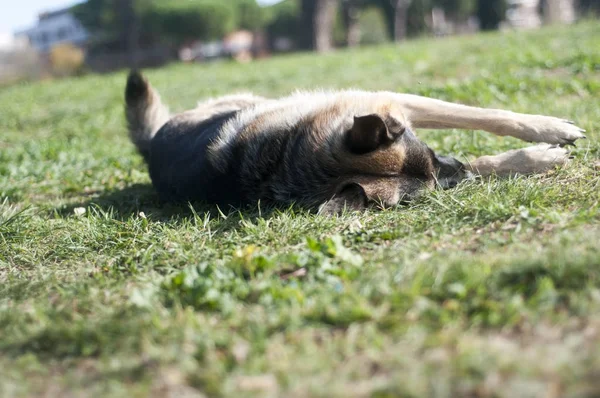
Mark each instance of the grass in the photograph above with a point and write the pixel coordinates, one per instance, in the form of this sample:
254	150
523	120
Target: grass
491	289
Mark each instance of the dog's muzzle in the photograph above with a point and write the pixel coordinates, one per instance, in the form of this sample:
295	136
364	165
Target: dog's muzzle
449	171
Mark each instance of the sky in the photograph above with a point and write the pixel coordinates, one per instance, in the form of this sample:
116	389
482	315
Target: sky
22	14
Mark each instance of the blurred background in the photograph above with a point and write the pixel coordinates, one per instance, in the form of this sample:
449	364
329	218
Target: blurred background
41	39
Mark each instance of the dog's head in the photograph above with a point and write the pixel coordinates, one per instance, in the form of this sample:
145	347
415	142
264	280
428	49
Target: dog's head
385	163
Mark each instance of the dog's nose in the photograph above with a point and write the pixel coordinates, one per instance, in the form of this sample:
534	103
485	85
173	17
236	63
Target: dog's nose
452	183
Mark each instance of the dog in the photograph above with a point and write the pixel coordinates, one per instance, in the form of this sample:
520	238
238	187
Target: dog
322	150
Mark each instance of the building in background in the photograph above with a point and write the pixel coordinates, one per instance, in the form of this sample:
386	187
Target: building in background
56	27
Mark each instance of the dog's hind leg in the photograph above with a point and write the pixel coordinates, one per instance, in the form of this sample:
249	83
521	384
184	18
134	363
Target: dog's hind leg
435	114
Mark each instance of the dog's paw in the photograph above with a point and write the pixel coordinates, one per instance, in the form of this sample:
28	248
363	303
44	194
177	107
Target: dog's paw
547	129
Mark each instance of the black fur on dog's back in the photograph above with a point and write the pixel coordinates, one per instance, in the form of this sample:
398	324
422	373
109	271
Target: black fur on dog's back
179	165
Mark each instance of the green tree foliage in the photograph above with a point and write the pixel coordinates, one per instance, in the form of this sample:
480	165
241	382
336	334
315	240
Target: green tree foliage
181	20
105	20
283	18
175	21
250	15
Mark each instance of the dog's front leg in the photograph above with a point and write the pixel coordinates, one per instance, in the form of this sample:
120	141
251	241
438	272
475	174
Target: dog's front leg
530	160
435	114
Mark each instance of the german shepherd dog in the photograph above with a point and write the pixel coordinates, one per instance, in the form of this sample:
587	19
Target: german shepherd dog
323	150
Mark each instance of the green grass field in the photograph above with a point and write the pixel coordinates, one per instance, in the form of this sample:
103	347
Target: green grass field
491	289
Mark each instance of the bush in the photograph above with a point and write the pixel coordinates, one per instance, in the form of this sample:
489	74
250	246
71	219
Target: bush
66	60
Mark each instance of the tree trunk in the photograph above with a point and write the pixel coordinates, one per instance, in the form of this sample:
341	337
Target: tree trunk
307	26
490	13
129	23
558	11
401	19
323	23
389	10
350	14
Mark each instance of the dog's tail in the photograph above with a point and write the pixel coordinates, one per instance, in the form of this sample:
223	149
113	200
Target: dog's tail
144	111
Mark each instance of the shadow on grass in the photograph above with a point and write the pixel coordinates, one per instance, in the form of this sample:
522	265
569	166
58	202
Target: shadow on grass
131	201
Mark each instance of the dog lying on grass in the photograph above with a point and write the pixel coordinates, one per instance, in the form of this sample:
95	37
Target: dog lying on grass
325	150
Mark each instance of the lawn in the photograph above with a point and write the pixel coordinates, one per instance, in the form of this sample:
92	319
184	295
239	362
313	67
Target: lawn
491	289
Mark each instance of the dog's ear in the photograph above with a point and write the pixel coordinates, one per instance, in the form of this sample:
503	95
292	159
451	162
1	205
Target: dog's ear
350	197
371	132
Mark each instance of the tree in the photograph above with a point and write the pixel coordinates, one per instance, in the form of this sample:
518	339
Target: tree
283	20
418	20
325	13
129	21
127	24
490	13
401	19
101	18
405	17
585	7
458	10
388	8
318	17
178	21
410	17
350	15
307	31
372	26
250	15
